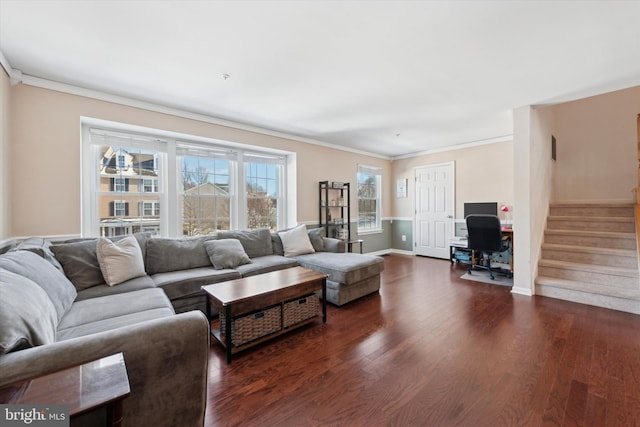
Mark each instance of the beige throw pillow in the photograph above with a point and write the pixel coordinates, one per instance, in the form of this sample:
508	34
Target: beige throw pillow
296	241
121	260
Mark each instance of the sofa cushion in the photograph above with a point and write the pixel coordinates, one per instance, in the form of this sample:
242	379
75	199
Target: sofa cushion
112	306
166	254
126	320
27	315
226	253
296	241
276	243
80	262
183	283
41	247
316	236
317	239
58	288
255	242
120	261
344	268
142	282
265	264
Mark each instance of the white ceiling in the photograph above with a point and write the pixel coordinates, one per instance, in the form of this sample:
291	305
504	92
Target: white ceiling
350	73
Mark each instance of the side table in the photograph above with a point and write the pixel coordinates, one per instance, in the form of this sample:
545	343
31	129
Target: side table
350	244
84	388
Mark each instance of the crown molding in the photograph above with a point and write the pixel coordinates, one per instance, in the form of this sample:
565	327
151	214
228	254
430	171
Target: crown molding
476	143
165	109
16	77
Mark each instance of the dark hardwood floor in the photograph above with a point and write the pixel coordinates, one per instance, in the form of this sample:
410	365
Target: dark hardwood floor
432	349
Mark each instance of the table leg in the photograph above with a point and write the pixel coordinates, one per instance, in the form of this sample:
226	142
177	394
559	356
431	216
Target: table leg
115	414
227	338
324	300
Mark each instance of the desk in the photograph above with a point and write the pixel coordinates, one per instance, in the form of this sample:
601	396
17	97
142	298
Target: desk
463	243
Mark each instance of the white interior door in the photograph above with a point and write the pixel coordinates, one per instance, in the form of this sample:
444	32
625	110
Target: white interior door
434	200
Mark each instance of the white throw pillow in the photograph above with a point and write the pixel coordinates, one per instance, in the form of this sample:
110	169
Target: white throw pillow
296	241
120	261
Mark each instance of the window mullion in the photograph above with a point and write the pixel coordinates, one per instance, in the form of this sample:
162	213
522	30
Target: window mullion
171	220
241	194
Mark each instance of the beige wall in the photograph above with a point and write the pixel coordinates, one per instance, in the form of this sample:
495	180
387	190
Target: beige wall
483	173
4	154
45	145
533	177
596	147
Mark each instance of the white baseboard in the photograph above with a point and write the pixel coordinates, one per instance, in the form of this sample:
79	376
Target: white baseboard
391	251
522	291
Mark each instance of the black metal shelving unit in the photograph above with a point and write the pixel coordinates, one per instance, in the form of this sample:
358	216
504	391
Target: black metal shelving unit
334	208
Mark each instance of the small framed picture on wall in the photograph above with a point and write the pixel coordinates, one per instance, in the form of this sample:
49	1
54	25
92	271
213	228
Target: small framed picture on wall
401	188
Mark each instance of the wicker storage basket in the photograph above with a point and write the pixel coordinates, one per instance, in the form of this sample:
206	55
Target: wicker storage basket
301	309
253	326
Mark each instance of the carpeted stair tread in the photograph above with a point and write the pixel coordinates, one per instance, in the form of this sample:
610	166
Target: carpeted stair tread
583	218
591	205
591	268
590	249
586	287
590	233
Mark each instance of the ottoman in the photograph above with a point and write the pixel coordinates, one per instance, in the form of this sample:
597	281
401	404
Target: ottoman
351	276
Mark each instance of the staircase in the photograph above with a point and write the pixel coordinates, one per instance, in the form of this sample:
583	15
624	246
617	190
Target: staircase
590	256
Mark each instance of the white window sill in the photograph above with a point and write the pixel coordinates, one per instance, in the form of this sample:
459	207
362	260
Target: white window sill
370	231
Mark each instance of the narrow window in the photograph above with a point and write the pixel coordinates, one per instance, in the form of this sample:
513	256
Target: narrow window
369	181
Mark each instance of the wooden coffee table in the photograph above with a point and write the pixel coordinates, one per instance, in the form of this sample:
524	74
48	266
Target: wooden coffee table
235	298
83	388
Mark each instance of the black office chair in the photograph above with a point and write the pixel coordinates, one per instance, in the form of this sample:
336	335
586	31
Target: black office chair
485	238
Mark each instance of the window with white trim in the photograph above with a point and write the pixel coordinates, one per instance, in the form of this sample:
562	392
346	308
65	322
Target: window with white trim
120	185
263	181
207	189
131	175
149	209
149	185
120	209
369	182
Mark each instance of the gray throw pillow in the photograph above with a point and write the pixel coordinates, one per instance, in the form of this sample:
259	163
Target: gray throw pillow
316	237
226	253
256	243
276	242
59	289
27	315
80	263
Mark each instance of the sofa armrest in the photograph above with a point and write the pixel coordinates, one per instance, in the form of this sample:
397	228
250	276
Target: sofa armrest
166	361
334	245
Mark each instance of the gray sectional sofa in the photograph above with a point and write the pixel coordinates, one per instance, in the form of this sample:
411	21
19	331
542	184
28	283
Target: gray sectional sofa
73	314
180	267
44	328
